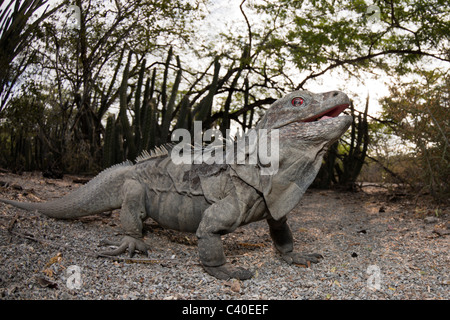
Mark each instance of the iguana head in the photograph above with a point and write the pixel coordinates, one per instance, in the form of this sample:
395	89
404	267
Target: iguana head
306	124
304	107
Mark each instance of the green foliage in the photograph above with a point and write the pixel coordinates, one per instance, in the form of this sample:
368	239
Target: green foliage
322	35
420	115
16	32
80	70
26	130
18	133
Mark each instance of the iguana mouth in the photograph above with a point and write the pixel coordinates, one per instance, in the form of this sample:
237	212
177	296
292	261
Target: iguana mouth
330	113
327	114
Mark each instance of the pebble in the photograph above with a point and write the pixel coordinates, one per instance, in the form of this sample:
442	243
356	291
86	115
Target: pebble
430	220
409	264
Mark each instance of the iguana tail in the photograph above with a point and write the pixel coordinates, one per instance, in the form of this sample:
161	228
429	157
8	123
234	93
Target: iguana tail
101	194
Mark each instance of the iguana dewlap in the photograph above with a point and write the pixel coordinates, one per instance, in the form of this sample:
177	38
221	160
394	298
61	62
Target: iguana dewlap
214	199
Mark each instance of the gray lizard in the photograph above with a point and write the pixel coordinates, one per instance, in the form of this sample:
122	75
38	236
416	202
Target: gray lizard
214	199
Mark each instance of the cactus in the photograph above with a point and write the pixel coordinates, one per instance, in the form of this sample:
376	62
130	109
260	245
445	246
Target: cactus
124	141
226	108
123	99
153	125
149	115
109	152
244	117
167	118
27	152
152	85
203	110
144	117
137	109
184	116
164	84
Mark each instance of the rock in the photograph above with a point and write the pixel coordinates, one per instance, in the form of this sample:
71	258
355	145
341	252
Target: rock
441	232
236	286
429	220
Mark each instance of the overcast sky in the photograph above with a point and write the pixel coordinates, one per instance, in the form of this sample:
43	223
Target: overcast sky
225	15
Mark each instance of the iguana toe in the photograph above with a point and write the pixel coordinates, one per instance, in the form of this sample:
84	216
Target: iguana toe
130	243
227	271
303	259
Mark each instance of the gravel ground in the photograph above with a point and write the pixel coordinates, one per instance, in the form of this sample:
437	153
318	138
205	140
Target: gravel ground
374	247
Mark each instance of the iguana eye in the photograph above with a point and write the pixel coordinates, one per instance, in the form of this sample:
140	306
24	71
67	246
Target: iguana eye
297	102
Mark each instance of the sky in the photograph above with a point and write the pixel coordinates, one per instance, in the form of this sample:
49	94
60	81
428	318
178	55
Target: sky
226	14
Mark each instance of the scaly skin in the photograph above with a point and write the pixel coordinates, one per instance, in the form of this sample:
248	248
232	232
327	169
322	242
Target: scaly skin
215	199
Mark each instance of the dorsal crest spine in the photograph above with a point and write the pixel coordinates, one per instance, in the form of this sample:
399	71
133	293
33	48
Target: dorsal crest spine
156	152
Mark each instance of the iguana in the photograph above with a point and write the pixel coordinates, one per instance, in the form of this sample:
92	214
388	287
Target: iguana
211	200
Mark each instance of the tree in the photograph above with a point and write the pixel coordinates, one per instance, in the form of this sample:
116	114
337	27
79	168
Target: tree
319	36
281	46
17	31
84	66
419	112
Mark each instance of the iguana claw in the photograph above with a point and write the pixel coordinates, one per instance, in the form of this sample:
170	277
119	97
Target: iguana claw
302	259
130	243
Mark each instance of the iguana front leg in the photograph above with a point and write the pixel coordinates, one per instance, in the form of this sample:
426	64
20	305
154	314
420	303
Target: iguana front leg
132	214
220	218
284	243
